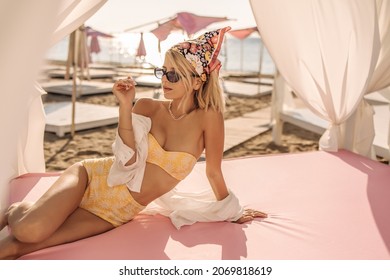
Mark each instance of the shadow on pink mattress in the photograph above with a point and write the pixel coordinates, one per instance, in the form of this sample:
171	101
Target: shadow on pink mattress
378	191
321	206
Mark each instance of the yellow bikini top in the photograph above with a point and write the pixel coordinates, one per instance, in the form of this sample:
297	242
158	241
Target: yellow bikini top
176	164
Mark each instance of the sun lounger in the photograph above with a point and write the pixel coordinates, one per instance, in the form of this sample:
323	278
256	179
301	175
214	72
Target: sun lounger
298	114
234	88
59	121
258	80
322	206
304	118
134	72
148	81
380	101
93	73
83	88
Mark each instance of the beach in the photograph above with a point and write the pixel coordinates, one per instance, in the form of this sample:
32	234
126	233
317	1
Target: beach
60	152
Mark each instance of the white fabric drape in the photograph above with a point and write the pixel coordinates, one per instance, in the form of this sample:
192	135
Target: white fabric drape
24	31
27	30
359	128
381	76
326	51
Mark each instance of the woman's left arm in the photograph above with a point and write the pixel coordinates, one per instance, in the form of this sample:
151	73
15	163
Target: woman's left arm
214	144
214	135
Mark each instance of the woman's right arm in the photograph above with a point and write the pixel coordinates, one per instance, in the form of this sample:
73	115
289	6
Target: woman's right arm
130	145
124	90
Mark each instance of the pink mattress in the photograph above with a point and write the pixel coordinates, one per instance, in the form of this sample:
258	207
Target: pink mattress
321	206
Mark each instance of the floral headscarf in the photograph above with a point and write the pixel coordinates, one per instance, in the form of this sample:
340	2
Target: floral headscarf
203	51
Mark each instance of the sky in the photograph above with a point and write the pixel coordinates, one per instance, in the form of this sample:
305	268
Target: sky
119	15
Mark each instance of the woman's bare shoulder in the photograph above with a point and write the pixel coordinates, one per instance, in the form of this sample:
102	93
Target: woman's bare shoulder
212	120
146	106
211	114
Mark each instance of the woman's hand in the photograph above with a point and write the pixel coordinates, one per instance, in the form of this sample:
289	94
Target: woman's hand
250	215
124	90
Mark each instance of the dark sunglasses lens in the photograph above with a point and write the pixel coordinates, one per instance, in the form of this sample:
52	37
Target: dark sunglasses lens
172	76
159	73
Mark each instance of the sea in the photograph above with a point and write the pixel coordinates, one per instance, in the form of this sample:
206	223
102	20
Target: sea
247	55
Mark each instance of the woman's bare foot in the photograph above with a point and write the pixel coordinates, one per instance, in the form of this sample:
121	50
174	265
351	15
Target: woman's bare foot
5	213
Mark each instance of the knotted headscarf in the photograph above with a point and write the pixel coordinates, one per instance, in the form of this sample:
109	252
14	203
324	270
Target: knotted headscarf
202	52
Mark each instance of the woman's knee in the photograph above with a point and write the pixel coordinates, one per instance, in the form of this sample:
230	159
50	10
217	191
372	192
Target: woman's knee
29	231
78	172
29	226
22	227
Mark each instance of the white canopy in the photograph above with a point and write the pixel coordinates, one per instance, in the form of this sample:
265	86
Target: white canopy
27	30
331	53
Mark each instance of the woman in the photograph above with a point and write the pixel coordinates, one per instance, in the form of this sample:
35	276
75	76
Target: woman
157	145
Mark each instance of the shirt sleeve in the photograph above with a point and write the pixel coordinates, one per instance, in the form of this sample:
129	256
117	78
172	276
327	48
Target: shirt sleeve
130	175
188	208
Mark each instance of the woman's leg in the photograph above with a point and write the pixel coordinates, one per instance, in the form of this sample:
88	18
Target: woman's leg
53	219
80	224
3	219
35	222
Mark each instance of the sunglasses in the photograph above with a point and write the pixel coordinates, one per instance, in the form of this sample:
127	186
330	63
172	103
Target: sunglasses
172	76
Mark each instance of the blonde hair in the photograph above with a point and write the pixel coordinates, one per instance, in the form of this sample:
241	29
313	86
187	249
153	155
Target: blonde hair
210	94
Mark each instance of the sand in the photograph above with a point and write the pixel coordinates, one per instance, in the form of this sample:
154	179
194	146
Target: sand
60	152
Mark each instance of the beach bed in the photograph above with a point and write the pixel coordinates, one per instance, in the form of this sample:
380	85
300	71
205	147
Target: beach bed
304	118
84	87
258	80
123	71
242	89
321	206
93	73
380	102
148	81
59	120
301	116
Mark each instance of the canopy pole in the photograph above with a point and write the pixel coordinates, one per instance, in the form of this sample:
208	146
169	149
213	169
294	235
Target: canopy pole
74	81
261	62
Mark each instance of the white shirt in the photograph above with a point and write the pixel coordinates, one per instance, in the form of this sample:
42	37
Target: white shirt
182	208
187	208
133	174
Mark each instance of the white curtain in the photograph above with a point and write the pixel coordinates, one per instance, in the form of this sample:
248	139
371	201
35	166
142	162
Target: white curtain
327	52
27	30
381	77
359	128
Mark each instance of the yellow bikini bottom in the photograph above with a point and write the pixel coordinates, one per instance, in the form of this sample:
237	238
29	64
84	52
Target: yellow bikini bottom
113	204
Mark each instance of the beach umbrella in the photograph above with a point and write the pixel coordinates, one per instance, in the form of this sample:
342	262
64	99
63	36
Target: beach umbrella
187	22
78	54
141	51
78	60
242	34
95	34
